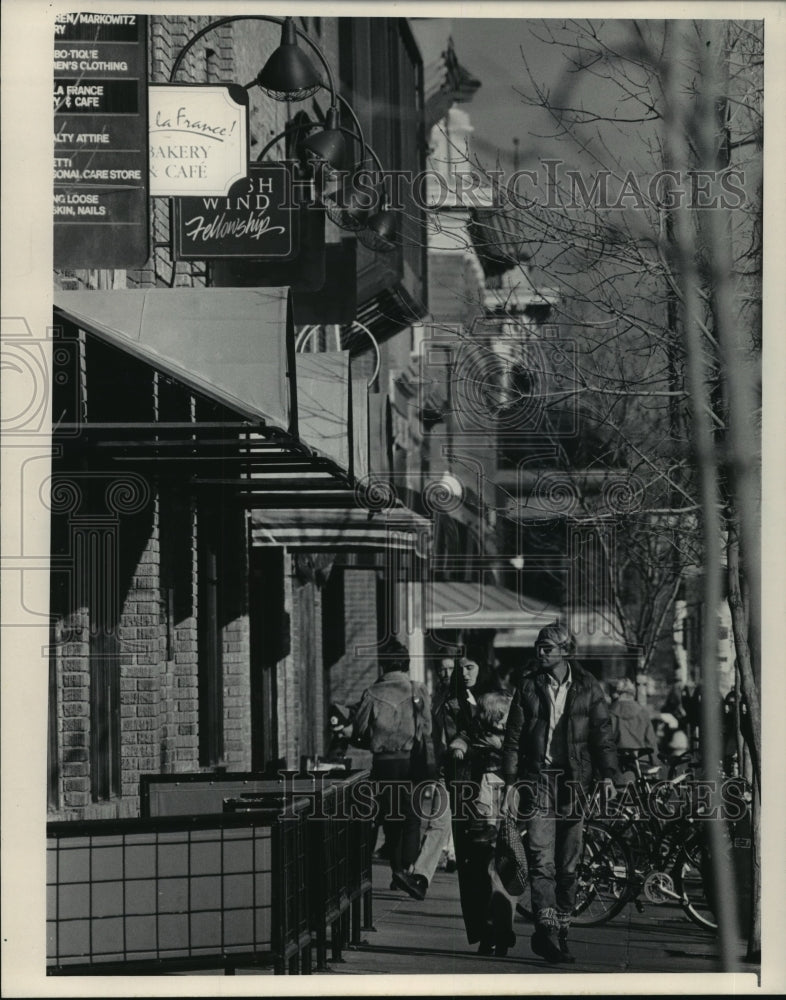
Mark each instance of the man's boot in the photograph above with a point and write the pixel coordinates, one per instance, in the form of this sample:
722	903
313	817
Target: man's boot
562	938
544	943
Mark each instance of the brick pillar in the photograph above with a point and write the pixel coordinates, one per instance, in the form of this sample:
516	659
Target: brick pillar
356	669
287	683
237	649
181	711
140	667
73	710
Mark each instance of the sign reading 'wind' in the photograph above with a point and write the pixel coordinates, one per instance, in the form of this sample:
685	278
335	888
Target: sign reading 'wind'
256	219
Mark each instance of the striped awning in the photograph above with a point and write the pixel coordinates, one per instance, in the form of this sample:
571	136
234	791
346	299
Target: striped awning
339	530
483	605
598	633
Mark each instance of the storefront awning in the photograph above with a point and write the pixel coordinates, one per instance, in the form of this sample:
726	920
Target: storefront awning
337	530
286	437
324	400
598	633
228	344
482	605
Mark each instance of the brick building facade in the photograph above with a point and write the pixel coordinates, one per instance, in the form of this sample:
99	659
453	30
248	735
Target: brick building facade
178	643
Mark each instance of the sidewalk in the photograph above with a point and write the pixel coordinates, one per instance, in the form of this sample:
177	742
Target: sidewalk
427	938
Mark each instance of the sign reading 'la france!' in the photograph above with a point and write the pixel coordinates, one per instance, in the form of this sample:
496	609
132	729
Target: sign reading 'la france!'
198	139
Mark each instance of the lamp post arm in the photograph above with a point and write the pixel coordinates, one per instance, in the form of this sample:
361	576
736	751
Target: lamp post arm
331	84
375	345
375	158
359	128
283	134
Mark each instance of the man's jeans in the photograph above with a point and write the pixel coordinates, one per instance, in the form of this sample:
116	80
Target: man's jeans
554	844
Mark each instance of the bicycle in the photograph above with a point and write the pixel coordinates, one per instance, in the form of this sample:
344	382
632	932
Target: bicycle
670	857
667	855
637	853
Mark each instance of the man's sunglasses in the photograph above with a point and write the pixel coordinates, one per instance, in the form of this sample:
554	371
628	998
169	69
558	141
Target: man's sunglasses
544	648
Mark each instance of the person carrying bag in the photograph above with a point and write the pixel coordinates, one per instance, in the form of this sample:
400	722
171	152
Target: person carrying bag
393	720
423	766
510	857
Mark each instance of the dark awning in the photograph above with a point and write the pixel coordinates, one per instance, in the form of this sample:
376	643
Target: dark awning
228	344
235	347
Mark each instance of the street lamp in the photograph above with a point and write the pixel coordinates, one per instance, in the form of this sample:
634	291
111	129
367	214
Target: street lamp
380	230
325	153
348	208
326	148
288	75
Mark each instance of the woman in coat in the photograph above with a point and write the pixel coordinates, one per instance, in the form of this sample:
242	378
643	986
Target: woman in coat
474	841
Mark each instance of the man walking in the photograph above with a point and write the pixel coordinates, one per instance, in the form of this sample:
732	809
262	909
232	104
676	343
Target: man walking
558	738
393	714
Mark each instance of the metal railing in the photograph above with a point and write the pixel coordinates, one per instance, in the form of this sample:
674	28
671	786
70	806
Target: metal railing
337	842
179	893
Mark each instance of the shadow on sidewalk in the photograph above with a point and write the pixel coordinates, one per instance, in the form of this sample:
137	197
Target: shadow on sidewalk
468	956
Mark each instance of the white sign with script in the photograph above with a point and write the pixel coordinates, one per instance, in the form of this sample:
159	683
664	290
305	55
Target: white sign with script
198	139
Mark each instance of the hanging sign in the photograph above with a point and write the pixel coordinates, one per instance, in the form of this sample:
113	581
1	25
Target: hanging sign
256	219
100	132
198	139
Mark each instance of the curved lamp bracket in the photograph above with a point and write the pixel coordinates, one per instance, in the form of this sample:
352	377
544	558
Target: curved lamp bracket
256	17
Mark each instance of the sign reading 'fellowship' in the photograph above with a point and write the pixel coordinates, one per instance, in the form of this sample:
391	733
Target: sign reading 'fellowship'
255	220
101	160
198	139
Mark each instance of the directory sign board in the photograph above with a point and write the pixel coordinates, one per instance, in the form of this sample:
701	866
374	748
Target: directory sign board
101	141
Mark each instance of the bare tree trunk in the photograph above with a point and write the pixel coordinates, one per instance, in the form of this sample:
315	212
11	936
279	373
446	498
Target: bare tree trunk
668	606
739	624
741	452
754	930
680	125
748	689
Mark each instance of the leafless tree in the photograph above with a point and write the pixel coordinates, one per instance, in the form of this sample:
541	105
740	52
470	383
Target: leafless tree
649	224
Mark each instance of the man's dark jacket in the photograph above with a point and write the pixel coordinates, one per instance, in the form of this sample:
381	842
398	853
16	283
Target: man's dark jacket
592	752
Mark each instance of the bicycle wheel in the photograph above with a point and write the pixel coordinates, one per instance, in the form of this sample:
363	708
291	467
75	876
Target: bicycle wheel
604	876
689	883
